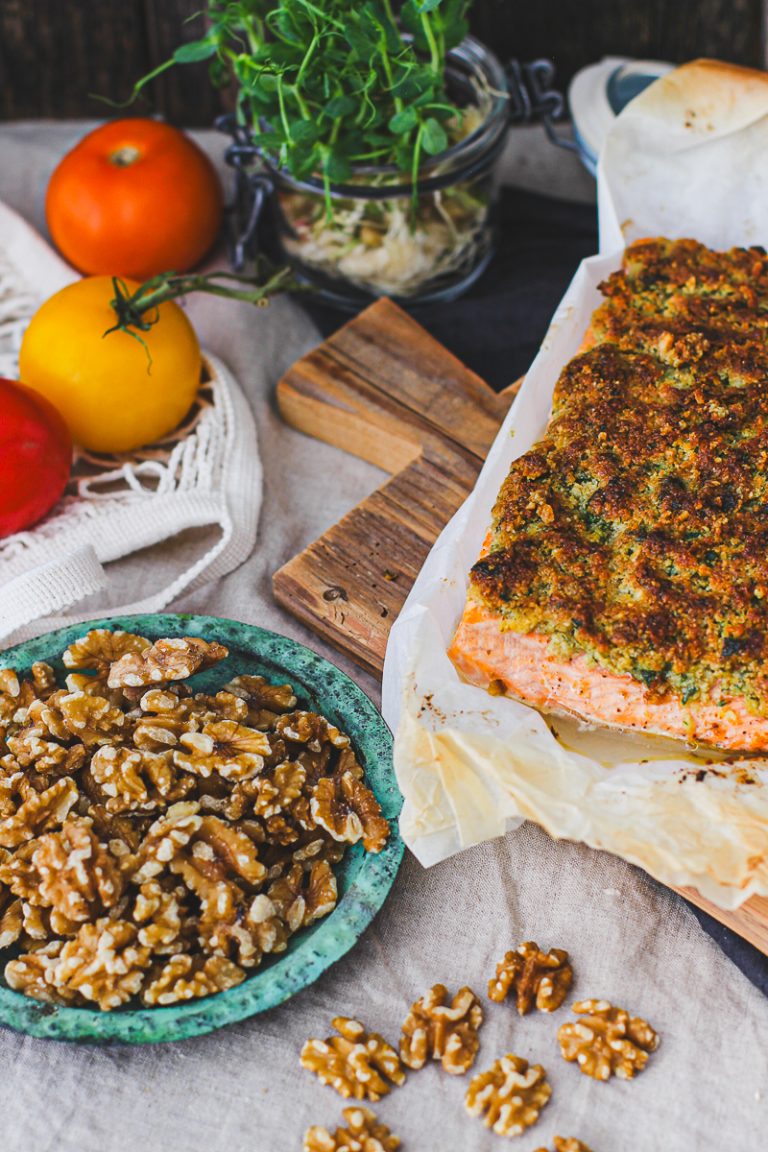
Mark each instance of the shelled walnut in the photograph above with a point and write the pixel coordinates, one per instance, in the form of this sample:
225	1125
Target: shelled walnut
156	842
137	780
188	978
567	1144
349	811
37	812
68	870
536	977
356	1063
363	1133
164	661
509	1096
606	1041
101	648
437	1030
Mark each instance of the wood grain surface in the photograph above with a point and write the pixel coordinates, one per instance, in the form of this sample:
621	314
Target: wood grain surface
384	390
750	921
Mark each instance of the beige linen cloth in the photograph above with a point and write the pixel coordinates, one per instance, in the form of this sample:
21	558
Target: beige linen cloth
241	1089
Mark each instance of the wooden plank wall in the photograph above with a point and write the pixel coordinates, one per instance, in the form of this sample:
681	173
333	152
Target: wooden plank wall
55	54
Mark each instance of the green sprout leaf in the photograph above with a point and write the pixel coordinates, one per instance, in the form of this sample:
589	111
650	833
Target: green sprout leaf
192	53
434	137
326	86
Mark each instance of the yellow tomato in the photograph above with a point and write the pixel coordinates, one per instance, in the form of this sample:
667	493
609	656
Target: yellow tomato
114	393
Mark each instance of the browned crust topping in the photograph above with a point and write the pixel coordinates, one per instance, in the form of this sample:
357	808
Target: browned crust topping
635	533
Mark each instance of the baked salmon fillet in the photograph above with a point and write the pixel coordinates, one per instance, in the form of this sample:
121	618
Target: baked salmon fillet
624	579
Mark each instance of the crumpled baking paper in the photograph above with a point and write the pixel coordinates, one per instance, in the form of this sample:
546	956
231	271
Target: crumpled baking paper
689	157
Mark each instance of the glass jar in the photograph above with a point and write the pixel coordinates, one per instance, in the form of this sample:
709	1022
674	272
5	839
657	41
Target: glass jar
382	236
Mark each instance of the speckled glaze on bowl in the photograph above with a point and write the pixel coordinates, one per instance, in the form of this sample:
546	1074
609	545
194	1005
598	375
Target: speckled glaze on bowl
364	879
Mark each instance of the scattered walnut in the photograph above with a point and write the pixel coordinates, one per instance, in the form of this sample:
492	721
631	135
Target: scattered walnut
133	780
364	1133
567	1144
88	684
172	659
540	978
187	978
607	1041
226	748
437	1030
40	812
356	1063
511	1094
349	811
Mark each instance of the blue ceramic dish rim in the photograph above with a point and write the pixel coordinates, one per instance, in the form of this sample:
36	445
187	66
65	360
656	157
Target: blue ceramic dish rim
272	985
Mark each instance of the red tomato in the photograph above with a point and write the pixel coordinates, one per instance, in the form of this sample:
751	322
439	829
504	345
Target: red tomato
35	456
134	198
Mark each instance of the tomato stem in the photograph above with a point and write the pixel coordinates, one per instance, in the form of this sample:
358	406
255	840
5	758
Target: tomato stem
138	310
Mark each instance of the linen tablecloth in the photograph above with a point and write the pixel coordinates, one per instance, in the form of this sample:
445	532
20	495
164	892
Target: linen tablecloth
241	1089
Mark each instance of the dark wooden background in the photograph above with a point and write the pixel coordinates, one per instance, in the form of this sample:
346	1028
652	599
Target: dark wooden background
55	55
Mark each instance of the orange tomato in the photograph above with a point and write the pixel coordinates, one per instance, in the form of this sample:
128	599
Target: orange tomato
134	198
113	392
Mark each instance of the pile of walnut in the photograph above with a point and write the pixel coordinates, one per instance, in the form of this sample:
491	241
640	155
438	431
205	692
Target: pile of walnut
509	1095
156	842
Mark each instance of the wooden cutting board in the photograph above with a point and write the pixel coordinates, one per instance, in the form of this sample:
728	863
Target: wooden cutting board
383	389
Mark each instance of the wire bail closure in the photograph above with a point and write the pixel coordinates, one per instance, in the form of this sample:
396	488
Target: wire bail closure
532	97
252	190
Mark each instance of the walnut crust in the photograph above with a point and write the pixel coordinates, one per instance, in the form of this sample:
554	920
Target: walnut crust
636	531
157	842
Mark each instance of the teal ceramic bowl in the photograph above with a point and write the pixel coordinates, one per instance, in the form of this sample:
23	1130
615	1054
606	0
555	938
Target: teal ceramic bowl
363	879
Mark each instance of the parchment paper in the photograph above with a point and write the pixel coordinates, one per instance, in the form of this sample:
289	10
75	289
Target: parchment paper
471	765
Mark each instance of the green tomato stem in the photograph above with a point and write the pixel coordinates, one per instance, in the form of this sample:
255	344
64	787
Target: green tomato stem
138	311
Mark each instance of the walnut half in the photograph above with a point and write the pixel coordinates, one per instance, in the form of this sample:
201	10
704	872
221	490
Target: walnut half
607	1041
567	1144
173	659
511	1094
436	1029
363	1133
540	978
356	1063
